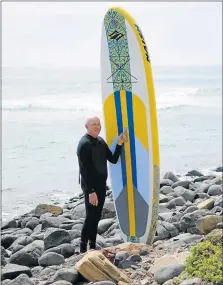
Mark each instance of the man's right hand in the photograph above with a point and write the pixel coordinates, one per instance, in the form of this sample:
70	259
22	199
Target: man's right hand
93	199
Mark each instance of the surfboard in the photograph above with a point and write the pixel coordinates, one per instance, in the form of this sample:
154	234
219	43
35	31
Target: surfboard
129	103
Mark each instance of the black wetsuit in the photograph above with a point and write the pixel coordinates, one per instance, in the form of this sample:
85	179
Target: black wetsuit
93	154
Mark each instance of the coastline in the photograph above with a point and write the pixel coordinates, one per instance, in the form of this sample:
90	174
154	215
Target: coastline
60	197
189	209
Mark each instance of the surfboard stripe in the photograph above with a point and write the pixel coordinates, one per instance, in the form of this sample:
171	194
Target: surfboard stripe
131	136
120	130
130	188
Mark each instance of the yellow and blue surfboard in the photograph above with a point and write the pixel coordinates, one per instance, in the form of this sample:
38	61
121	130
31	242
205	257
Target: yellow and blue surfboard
129	103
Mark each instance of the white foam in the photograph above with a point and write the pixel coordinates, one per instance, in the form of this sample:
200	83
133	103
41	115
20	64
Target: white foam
165	99
178	97
77	102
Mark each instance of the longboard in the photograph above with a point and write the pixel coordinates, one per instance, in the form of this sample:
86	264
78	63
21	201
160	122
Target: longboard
129	103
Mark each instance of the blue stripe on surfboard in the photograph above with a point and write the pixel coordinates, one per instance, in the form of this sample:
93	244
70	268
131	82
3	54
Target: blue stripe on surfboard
131	136
120	130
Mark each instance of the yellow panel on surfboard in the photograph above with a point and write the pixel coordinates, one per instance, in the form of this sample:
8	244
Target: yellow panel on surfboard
129	103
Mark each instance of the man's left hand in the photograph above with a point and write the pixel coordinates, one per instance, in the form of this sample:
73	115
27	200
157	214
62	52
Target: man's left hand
122	138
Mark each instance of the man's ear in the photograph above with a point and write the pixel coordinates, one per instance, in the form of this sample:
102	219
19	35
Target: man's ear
86	126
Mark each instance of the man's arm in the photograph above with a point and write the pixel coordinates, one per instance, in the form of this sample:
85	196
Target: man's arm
113	157
85	159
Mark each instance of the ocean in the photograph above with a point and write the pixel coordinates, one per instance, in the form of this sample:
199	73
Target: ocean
44	111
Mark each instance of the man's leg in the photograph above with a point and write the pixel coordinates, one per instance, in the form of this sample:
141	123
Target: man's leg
96	218
86	226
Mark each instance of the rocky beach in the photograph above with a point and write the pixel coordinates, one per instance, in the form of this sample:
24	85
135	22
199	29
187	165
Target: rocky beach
42	247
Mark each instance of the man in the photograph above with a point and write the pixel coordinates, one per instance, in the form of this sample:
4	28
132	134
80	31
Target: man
93	154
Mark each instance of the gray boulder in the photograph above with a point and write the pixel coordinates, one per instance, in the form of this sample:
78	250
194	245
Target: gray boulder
203	188
168	272
108	210
37	236
165	182
55	237
189	220
175	218
176	202
194	173
201	196
66	274
183	183
11	271
7	240
104	225
161	232
9	231
9	224
65	249
25	221
78	212
24	232
187	194
77	227
53	222
67	225
216	209
214	190
22	279
171	176
74	234
44	216
37	229
29	255
170	228
31	224
166	190
164	198
191	209
22	241
166	216
17	248
51	258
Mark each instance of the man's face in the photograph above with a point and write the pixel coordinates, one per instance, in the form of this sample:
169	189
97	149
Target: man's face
94	127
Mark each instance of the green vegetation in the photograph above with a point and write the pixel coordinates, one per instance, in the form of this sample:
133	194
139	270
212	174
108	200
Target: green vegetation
205	260
176	280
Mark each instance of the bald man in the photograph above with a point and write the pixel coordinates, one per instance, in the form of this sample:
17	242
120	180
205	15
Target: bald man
93	154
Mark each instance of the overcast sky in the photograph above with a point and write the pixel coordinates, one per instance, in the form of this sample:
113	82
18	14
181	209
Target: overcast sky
68	34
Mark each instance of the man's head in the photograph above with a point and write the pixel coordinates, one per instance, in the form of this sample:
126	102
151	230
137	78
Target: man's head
93	126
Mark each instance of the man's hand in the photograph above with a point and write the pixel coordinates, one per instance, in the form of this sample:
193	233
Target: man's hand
122	138
93	199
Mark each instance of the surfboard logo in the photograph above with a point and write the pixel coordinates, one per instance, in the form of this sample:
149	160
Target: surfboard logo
116	35
144	43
